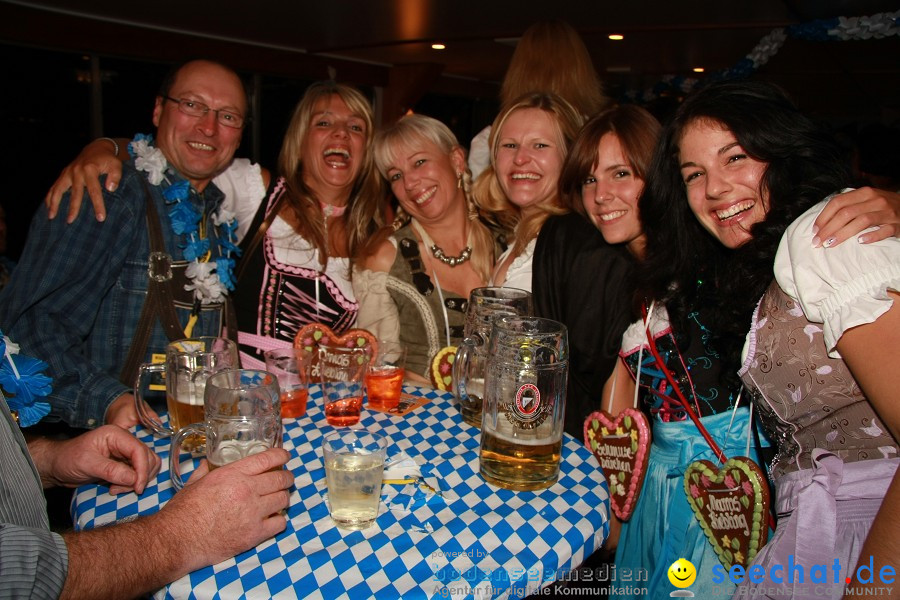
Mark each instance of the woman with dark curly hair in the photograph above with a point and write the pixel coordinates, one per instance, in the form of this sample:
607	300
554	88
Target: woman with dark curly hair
738	180
604	178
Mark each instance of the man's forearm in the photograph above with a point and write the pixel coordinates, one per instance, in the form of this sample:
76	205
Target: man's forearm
124	560
41	450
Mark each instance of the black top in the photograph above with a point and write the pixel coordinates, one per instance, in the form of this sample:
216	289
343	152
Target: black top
585	283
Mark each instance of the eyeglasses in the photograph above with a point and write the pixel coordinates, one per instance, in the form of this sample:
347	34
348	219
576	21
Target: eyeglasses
194	108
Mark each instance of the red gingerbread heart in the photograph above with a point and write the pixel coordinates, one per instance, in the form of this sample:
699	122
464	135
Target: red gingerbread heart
732	504
622	446
314	336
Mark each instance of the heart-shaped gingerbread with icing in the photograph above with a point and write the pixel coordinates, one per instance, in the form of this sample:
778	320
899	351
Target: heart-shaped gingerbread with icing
313	336
622	446
731	503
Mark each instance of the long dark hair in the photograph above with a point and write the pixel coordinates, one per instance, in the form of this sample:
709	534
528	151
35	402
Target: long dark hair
685	266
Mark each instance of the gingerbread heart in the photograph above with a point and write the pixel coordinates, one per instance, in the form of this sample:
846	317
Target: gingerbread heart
441	368
622	446
732	504
315	336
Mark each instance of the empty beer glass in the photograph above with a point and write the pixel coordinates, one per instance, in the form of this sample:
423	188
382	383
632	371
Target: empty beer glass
524	403
242	410
485	305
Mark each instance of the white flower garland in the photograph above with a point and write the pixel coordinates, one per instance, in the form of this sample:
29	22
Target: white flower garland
210	279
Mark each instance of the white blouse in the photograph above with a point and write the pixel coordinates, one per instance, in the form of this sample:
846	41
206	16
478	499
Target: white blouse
244	190
519	273
841	287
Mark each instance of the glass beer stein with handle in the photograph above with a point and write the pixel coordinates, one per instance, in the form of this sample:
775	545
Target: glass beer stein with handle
189	363
485	305
524	403
242	410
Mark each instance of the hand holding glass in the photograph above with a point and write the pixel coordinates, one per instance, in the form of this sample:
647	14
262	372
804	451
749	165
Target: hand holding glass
243	417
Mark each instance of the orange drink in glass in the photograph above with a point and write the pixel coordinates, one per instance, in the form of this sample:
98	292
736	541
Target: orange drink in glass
290	367
342	372
384	378
293	402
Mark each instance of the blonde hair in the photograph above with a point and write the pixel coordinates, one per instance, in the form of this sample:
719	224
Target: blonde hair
489	195
363	215
412	131
551	57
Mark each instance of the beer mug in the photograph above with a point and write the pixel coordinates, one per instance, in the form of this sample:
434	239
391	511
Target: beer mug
189	363
524	403
242	410
485	305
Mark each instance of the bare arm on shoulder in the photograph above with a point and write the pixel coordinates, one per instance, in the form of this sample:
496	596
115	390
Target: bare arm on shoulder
850	213
98	158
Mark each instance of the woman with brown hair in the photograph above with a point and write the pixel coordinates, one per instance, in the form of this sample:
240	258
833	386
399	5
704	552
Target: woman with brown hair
320	211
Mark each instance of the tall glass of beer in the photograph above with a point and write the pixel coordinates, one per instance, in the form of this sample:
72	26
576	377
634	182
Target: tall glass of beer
188	364
485	305
241	417
524	403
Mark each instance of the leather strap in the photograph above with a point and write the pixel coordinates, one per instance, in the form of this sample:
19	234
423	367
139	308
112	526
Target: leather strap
160	299
262	226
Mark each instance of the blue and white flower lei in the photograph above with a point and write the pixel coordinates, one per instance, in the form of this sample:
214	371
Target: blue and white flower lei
23	383
210	279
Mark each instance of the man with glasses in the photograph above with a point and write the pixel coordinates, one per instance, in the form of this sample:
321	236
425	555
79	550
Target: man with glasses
77	300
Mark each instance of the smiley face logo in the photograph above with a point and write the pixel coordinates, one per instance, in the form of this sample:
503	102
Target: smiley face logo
682	573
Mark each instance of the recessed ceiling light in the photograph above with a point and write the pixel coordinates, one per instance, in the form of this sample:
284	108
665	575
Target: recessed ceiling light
438	46
616	36
699	69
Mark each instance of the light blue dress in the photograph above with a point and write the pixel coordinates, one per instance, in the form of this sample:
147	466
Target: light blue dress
662	527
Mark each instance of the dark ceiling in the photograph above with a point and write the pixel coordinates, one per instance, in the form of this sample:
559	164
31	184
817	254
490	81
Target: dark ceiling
372	41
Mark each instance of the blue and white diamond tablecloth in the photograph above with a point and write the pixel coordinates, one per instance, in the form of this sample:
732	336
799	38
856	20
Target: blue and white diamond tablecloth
474	541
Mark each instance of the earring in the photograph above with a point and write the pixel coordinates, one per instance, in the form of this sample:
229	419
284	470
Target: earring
459	181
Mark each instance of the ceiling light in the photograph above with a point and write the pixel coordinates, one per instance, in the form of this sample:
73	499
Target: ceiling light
616	37
699	69
438	46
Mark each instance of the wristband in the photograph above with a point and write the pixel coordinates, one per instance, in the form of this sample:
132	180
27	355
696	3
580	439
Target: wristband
114	143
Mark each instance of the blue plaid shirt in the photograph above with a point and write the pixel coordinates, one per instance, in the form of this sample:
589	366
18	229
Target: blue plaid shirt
75	298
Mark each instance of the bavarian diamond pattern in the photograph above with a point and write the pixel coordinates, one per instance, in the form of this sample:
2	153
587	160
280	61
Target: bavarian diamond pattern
477	541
